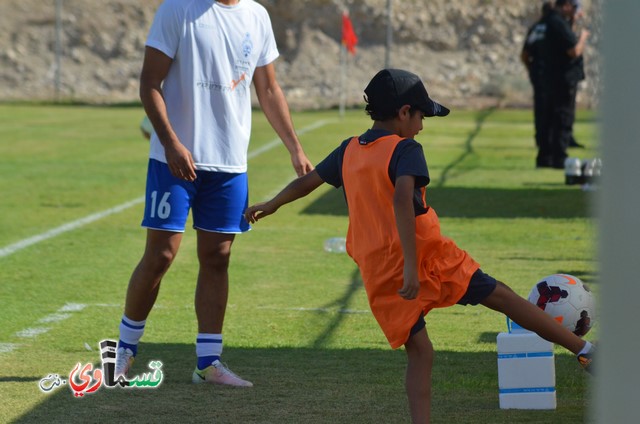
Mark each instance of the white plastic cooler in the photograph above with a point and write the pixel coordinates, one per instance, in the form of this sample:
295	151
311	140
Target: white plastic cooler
526	370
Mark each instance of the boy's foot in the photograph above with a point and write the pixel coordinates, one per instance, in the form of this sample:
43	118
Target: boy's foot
586	360
218	373
124	361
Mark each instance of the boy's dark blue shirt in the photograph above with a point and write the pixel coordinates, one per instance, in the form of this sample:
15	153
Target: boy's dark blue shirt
407	159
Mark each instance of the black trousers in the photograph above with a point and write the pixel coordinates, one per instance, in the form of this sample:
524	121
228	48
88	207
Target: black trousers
540	105
554	112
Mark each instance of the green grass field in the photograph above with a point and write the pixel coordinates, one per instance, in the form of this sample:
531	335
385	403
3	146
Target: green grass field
298	323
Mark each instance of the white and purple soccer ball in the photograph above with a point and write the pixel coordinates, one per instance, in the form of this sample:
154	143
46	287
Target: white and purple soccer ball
567	300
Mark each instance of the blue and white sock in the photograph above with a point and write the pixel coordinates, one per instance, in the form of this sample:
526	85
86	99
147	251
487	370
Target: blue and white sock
130	333
208	349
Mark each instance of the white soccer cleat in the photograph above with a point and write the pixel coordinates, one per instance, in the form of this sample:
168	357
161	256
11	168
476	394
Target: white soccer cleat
124	361
218	373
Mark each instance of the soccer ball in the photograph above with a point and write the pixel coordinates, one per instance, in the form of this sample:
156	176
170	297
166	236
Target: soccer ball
146	127
567	300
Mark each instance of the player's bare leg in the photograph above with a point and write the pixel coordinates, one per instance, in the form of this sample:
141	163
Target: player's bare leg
529	316
212	290
144	285
418	376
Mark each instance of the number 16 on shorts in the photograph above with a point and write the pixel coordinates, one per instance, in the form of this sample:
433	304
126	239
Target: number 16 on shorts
162	208
167	199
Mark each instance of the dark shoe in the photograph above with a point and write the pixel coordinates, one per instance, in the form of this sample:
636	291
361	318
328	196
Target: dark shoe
543	163
549	165
574	144
553	164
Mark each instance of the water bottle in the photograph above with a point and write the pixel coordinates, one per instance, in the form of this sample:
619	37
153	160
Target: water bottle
572	171
587	171
335	245
596	169
591	172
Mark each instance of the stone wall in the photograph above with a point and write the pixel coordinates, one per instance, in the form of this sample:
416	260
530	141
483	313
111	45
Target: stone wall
467	51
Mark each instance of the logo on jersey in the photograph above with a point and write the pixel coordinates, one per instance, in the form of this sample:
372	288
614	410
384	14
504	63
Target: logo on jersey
247	45
537	34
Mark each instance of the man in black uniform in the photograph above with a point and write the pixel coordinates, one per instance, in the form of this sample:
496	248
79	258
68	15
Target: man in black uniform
561	52
532	58
578	68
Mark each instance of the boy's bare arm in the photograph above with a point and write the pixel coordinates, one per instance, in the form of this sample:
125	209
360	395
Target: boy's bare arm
296	189
406	224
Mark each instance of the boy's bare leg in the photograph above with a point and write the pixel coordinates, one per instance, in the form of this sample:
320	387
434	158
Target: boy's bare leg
418	378
529	316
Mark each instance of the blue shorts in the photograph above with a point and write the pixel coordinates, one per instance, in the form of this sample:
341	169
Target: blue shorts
217	200
481	285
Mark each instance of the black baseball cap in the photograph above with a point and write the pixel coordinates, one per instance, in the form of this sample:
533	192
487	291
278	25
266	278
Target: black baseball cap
390	89
574	3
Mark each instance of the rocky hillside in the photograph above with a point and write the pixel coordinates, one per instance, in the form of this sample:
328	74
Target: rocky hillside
467	51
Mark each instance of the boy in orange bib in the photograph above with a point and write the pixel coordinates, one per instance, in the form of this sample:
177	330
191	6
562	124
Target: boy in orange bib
408	267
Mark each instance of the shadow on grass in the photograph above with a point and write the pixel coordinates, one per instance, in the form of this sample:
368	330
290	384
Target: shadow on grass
295	385
468	145
341	303
476	202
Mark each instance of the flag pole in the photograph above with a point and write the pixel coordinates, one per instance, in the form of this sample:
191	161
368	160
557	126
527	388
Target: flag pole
343	78
58	51
348	46
389	40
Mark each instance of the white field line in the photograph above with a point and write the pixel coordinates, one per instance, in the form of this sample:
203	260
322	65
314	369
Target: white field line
22	244
276	141
32	332
323	310
7	347
72	307
54	318
66	312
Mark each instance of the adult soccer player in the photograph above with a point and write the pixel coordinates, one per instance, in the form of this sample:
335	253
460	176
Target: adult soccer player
200	59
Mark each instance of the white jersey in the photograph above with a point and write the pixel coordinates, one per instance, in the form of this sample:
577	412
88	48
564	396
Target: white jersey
215	50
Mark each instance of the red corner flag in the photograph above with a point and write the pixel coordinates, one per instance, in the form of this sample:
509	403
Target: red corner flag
349	38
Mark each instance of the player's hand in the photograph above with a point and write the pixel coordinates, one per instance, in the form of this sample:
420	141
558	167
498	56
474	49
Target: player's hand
301	164
180	162
411	285
258	211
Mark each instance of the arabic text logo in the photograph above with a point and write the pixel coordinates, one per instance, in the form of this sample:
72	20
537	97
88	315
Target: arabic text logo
83	379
